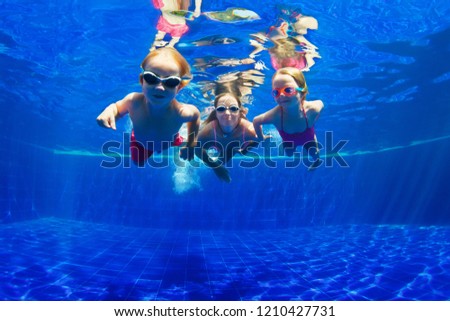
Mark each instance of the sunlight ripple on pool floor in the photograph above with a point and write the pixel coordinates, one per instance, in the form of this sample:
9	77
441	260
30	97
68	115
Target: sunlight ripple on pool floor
54	259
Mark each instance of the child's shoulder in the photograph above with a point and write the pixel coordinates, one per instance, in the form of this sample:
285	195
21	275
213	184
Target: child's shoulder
207	131
186	106
248	127
245	123
210	125
134	97
313	106
134	100
187	110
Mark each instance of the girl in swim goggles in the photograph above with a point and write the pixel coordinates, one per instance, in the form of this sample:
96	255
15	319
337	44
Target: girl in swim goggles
233	109
152	79
287	91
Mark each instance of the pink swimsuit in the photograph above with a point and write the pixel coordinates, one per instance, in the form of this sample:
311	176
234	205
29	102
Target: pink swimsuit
298	139
158	4
298	62
175	30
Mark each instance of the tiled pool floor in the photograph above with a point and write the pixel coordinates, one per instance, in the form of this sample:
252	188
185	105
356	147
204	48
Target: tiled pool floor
55	259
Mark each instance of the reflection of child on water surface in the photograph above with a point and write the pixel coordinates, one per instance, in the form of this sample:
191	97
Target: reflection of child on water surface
155	113
170	23
201	64
290	48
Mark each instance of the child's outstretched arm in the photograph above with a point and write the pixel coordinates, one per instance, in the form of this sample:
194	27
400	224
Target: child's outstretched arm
216	165
251	140
192	128
113	112
266	118
314	109
191	115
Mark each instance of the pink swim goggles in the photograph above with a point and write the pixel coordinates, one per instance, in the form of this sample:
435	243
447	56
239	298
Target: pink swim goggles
287	91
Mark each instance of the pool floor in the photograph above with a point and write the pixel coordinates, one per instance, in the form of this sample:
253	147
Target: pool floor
56	259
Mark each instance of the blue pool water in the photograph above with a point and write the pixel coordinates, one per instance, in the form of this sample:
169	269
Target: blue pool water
377	229
53	259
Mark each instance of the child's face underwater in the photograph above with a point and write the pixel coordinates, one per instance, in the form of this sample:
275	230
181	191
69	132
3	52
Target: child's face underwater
228	115
280	82
161	80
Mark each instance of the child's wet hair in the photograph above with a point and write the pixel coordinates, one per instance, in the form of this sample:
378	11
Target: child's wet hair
295	73
185	68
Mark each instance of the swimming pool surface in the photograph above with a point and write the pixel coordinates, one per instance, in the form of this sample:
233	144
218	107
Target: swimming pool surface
377	228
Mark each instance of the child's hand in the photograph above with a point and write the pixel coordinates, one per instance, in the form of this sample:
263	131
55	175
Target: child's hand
187	153
107	118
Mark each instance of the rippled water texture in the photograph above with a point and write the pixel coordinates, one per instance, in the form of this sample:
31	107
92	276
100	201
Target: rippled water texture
52	259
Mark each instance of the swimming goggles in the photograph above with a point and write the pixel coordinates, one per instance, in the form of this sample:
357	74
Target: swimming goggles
287	91
233	109
152	79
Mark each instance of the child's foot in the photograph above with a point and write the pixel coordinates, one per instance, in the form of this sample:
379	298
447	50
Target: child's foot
158	44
